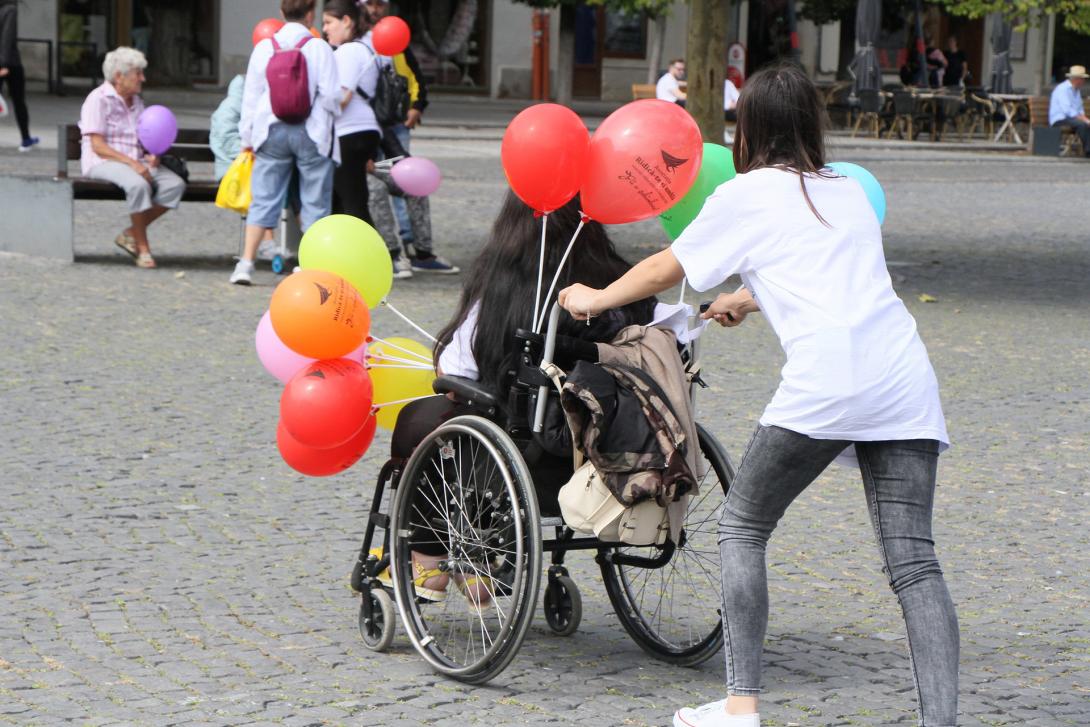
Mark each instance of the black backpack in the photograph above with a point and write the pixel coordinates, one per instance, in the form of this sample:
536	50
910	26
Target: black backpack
391	100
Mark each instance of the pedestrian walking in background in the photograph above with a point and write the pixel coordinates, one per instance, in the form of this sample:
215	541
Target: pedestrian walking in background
226	145
359	133
281	145
412	234
11	70
857	385
111	150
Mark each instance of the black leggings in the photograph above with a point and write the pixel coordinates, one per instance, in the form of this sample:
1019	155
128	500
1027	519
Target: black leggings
350	178
16	79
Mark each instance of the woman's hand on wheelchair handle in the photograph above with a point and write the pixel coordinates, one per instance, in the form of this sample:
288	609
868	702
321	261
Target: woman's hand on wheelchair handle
730	309
580	301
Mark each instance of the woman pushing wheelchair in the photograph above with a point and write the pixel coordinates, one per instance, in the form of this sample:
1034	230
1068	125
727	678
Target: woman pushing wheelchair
857	386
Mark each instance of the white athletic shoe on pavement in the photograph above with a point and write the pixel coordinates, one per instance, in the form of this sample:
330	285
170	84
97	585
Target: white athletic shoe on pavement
402	268
243	270
267	250
714	715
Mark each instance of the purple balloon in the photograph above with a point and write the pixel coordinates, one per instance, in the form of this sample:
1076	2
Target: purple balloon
281	361
416	176
157	129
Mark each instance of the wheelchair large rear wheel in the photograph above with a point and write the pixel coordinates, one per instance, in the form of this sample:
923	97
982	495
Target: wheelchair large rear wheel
668	598
467	494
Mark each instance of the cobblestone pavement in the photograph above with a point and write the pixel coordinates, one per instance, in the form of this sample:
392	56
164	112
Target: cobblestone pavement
159	564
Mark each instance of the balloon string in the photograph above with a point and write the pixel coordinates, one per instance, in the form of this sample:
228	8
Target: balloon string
681	298
383	357
376	407
405	318
559	268
391	344
540	269
399	366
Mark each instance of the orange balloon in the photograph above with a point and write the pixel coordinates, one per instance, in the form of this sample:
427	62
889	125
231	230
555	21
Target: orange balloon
319	314
316	33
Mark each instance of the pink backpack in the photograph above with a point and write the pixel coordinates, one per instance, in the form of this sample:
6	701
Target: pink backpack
289	85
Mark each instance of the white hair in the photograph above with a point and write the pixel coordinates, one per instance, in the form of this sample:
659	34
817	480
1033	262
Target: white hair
122	60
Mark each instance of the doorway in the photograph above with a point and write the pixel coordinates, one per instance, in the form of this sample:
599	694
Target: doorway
587	63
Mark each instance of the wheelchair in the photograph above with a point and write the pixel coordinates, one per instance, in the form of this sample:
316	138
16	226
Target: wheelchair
468	488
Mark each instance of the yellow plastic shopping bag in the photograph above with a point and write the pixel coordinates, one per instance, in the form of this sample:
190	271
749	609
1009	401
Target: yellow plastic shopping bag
234	191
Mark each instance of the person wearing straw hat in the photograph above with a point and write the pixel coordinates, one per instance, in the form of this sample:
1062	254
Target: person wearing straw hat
1065	107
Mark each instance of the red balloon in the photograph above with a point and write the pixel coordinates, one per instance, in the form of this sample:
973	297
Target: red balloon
642	160
323	462
390	36
266	28
327	403
544	155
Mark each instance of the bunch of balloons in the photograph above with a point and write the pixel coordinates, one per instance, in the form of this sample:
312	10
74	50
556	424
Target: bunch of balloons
640	162
315	339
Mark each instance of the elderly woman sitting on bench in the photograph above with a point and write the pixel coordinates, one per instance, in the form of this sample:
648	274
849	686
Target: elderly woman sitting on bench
112	152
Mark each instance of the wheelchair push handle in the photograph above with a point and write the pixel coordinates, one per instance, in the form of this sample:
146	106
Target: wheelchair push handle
546	358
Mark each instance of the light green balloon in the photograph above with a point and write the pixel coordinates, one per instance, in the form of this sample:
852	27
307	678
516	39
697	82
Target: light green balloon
716	167
349	247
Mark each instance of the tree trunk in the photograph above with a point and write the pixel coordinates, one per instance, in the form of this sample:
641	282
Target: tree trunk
707	58
658	40
565	55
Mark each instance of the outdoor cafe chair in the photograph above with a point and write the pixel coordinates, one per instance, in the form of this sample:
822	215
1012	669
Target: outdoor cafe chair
870	108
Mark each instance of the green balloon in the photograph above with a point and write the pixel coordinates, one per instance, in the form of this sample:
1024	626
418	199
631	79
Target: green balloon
347	246
716	167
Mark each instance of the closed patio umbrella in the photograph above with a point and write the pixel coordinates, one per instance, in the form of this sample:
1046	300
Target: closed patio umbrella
866	73
1001	55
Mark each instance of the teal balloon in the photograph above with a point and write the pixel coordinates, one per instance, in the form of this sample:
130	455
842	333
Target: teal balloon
875	194
716	167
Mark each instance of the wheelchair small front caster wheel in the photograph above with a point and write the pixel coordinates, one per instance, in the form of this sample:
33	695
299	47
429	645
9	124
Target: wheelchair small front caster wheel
278	264
563	606
378	630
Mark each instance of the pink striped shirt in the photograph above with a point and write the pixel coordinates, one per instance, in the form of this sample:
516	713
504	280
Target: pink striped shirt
105	112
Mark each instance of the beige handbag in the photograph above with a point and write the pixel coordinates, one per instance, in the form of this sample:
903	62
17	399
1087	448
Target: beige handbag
588	506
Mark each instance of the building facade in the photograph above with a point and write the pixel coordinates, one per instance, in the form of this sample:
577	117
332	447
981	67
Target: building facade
485	46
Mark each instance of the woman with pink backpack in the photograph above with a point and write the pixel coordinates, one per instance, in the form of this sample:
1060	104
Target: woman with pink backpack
291	98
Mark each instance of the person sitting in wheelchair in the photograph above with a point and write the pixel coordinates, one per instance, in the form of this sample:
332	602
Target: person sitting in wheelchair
479	343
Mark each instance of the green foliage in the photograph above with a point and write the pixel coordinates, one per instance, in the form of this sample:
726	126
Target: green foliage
822	12
1076	12
653	8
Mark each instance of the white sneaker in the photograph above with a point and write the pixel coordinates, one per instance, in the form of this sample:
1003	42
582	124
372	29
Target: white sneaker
714	715
267	250
243	270
402	268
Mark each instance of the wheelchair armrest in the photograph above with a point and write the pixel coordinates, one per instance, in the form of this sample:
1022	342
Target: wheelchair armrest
466	390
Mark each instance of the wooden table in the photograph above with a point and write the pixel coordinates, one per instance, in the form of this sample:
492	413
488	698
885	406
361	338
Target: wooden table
1009	103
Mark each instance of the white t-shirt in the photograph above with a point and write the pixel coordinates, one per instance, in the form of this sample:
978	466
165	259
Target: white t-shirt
666	86
357	68
730	95
856	368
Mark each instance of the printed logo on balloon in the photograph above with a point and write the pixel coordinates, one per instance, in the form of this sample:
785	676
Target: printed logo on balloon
642	160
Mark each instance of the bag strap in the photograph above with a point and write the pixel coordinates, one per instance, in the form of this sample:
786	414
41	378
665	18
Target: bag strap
306	39
555	374
276	46
378	67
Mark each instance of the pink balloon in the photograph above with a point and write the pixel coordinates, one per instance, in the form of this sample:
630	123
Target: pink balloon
281	361
416	176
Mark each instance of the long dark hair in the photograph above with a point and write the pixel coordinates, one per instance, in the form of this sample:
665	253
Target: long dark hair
504	277
781	122
341	8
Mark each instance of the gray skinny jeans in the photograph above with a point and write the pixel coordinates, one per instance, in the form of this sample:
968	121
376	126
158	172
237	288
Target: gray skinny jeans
899	482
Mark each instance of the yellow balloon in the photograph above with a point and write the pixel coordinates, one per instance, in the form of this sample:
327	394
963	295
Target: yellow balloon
394	384
351	248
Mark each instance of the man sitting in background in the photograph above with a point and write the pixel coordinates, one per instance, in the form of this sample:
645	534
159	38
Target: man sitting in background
1066	109
668	87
